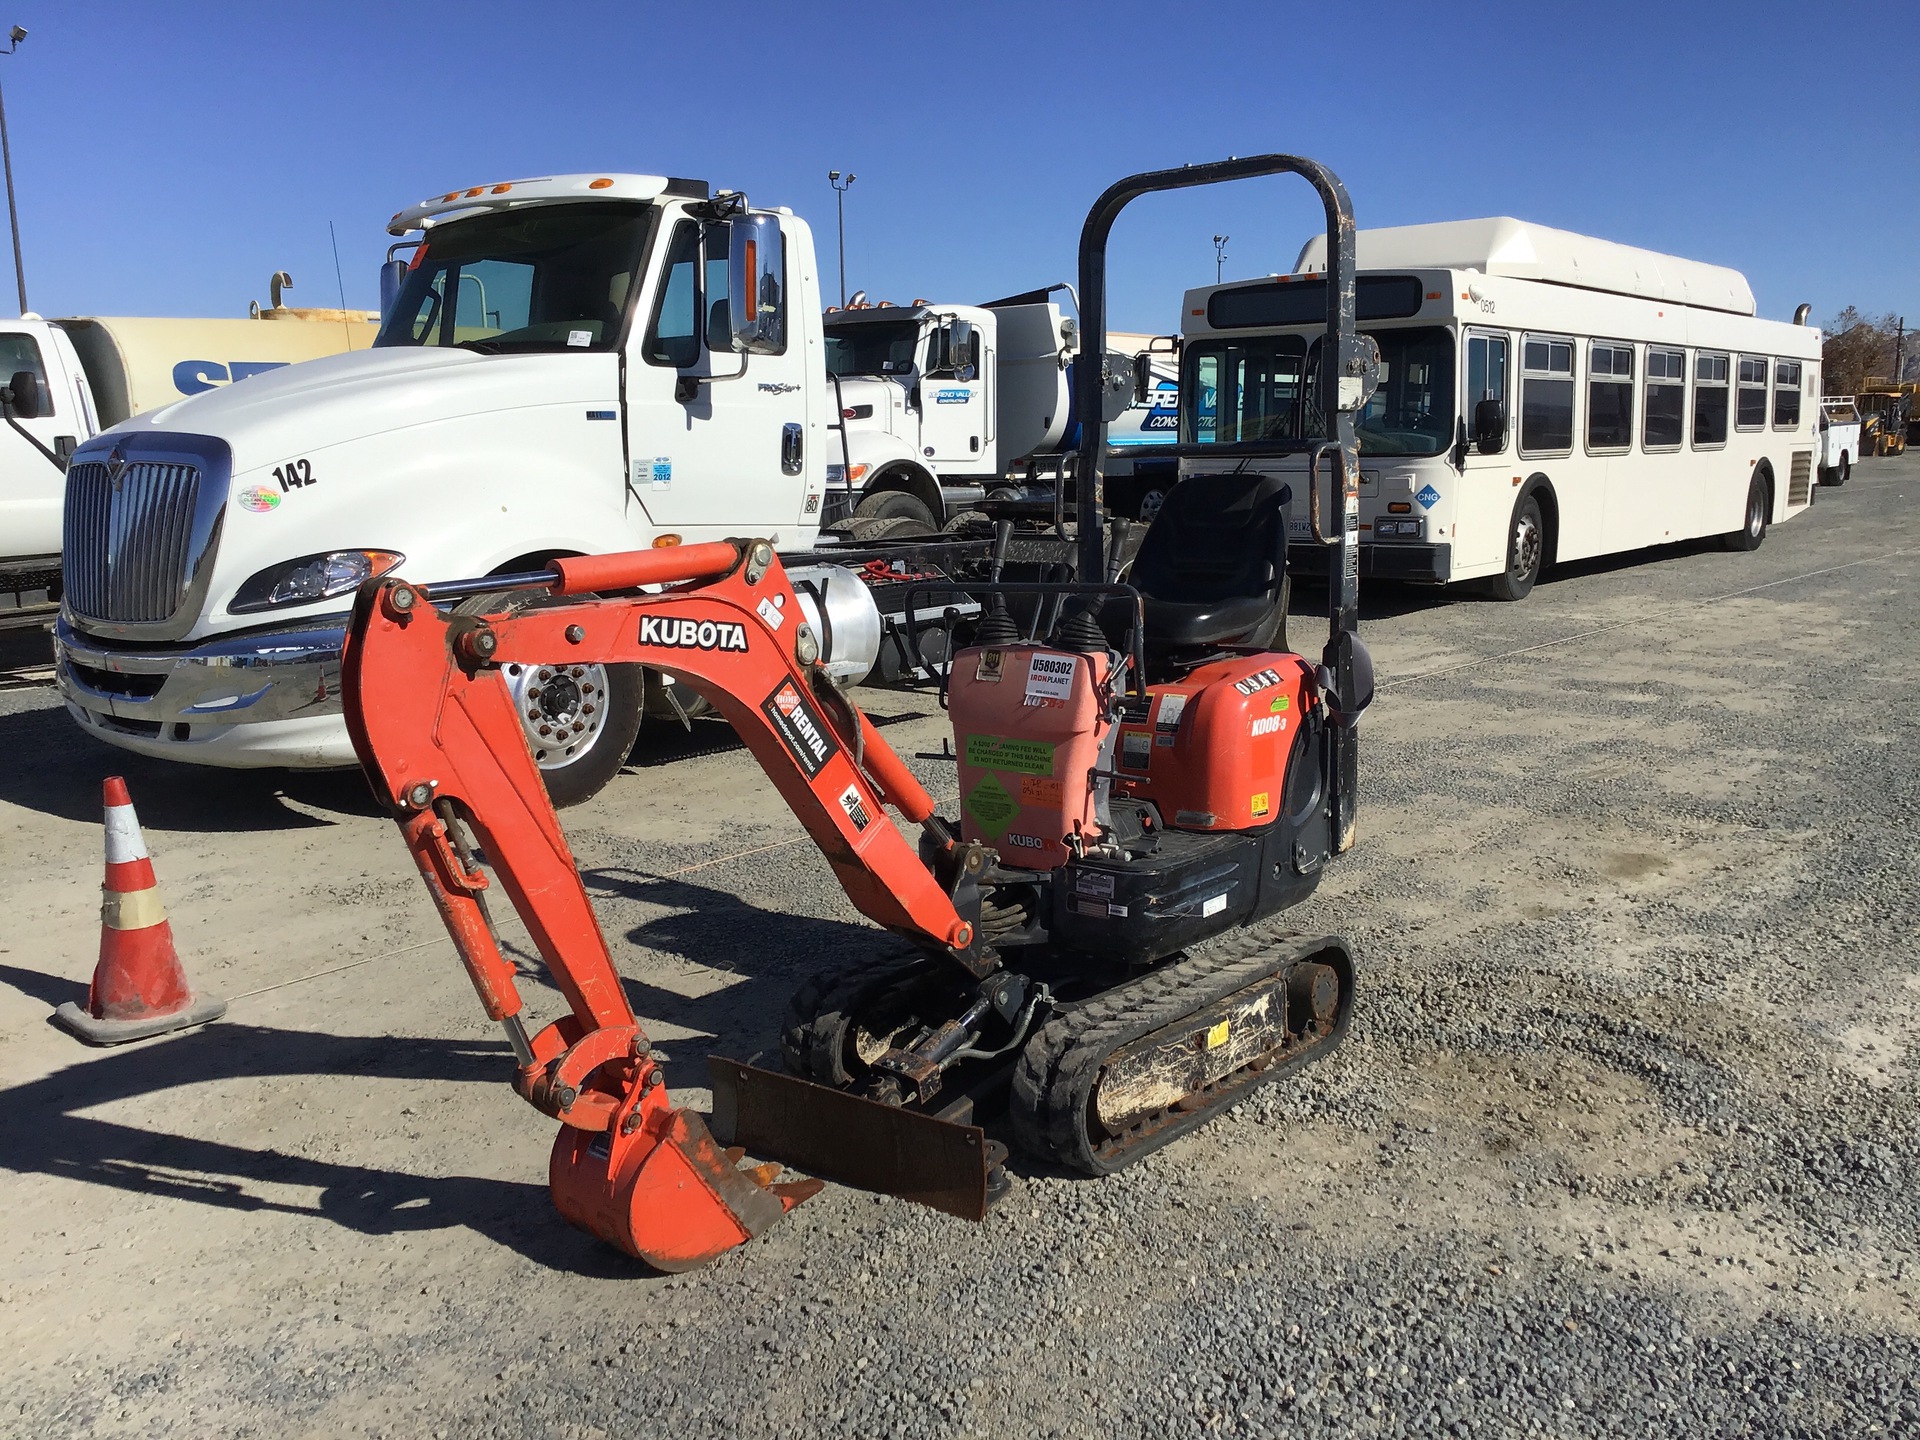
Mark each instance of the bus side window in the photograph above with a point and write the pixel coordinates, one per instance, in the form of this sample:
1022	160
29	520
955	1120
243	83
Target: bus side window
1546	396
1786	395
1487	380
1750	408
1712	398
1666	406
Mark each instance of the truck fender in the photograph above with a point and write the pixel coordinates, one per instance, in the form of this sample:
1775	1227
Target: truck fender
911	480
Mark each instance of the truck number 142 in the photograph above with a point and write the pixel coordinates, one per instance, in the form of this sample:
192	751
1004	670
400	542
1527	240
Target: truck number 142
294	474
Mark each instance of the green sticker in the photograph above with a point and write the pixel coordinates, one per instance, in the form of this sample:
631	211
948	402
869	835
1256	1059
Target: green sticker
1025	757
992	806
1279	704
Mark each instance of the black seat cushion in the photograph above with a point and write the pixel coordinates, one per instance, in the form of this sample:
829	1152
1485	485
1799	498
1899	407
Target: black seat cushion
1212	566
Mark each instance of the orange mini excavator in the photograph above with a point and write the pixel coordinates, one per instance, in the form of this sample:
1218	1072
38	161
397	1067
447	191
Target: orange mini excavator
1154	772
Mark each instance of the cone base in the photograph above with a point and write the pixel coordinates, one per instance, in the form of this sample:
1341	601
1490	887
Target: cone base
76	1021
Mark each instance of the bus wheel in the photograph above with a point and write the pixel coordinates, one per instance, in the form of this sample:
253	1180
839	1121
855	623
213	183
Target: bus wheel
1749	535
1526	549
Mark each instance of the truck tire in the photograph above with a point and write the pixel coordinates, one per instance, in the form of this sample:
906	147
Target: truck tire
1836	475
1526	552
888	527
594	708
1753	530
896	505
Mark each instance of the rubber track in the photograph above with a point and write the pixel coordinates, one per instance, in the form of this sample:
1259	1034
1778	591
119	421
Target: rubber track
1060	1065
814	1032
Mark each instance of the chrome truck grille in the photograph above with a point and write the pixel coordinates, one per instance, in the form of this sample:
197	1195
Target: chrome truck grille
139	530
127	544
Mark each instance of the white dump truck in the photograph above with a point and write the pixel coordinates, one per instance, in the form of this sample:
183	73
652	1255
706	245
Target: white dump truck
569	365
71	378
938	402
942	406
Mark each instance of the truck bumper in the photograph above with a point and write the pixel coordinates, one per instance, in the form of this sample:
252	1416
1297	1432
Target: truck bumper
265	698
1429	564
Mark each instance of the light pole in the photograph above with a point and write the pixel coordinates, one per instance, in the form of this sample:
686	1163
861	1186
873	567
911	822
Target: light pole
1219	255
840	185
14	37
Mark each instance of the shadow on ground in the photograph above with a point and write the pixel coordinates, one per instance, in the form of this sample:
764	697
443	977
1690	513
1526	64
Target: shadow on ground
44	1130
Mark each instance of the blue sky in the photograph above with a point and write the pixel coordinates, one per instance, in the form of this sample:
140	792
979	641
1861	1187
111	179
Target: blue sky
169	157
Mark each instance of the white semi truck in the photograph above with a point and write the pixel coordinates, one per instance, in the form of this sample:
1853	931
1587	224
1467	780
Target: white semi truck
71	378
569	365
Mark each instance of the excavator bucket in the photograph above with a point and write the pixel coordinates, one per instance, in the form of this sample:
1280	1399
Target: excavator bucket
673	1198
850	1140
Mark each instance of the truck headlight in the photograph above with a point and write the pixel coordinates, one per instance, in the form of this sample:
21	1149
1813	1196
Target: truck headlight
843	475
312	577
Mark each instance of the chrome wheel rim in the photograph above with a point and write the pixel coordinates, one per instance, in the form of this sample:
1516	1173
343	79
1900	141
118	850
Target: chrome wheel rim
562	709
1526	548
1150	504
1756	517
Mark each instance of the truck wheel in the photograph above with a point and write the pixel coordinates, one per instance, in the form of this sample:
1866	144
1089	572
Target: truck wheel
1526	549
579	721
889	527
896	505
1836	475
1754	529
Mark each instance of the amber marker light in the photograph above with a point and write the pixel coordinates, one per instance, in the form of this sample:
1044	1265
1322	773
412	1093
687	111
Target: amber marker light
601	184
1399	507
501	189
663	542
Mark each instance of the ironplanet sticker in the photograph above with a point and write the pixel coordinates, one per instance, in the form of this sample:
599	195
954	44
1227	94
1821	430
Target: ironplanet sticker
1024	757
799	725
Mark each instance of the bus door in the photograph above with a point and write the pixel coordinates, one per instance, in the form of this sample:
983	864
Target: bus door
1486	499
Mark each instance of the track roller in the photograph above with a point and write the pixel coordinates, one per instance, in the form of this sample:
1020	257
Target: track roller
1117	1077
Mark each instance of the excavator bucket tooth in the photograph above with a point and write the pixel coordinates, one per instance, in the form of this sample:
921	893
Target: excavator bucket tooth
850	1140
675	1204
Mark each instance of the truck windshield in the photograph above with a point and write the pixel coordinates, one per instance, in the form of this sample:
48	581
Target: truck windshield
1266	388
872	348
549	277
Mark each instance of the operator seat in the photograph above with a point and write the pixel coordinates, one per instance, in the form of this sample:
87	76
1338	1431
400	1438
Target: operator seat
1212	568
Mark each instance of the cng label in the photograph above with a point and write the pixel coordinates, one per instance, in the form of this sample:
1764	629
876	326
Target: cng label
678	632
1428	497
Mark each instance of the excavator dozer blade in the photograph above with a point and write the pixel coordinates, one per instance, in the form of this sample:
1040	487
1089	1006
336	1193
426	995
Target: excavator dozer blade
850	1140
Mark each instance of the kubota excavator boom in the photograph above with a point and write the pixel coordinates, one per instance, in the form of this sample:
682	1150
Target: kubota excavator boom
444	747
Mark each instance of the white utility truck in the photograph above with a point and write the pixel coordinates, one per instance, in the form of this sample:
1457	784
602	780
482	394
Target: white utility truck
71	378
569	365
1839	438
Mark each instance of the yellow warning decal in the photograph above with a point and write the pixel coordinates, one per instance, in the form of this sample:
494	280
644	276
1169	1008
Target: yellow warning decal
1217	1034
1261	803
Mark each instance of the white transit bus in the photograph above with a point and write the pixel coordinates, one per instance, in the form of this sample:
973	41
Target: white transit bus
1543	397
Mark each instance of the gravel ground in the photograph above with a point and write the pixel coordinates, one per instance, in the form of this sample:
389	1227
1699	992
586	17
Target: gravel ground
1623	1140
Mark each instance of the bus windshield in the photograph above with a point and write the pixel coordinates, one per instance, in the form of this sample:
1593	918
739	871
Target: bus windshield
548	277
871	348
1266	388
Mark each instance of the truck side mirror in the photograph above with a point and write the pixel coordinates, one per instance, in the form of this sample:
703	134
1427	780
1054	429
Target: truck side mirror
23	396
1142	378
1489	426
393	275
757	284
960	355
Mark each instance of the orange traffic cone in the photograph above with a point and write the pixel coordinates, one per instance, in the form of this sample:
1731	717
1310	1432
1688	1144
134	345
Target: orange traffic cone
138	987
